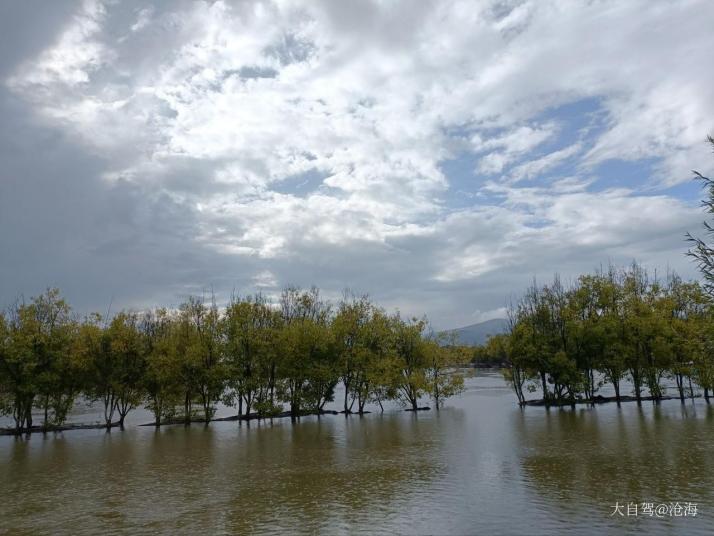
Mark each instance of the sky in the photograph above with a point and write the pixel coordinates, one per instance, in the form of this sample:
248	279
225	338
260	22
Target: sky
437	155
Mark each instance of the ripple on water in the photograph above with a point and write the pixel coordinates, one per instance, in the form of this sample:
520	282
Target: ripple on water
481	465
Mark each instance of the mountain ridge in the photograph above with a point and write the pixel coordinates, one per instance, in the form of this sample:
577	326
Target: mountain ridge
477	334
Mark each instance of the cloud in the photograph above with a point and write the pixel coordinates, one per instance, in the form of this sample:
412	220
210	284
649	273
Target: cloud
539	166
72	59
514	144
434	155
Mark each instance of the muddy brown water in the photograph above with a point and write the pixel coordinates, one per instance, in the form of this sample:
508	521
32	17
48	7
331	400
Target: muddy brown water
481	465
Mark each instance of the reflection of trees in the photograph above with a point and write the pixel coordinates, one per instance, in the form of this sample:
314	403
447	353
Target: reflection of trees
657	453
328	474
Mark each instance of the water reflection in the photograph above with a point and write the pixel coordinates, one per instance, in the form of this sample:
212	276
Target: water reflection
586	459
320	474
480	466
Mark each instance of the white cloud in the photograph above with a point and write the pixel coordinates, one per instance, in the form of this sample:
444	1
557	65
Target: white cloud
534	168
218	106
512	145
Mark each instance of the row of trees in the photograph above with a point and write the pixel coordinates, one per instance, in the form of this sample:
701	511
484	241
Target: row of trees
613	326
252	354
609	327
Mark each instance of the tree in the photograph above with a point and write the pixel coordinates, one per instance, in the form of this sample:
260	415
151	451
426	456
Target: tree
249	330
374	359
19	365
161	381
128	353
6	402
94	348
201	364
37	363
703	359
350	336
443	358
611	330
59	378
702	252
257	355
411	359
304	342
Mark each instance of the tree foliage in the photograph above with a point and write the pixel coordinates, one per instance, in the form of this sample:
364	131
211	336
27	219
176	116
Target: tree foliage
259	356
605	328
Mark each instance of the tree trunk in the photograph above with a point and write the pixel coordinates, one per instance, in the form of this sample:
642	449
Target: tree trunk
272	384
362	402
294	403
45	424
187	410
158	407
19	414
638	389
347	390
545	387
28	415
592	384
109	405
517	377
124	407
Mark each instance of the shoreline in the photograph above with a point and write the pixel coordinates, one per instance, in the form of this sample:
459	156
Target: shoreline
246	417
231	418
599	399
37	429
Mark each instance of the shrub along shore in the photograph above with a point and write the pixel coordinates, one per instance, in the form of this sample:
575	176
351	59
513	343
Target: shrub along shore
268	360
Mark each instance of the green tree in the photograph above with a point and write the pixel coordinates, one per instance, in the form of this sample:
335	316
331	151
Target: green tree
19	365
59	373
93	347
304	343
202	367
701	251
349	329
161	379
411	360
128	352
443	359
249	336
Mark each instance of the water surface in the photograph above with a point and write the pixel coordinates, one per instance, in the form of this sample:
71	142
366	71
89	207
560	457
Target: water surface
481	465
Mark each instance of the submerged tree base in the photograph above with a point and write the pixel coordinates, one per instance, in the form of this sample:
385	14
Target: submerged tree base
600	400
246	417
193	420
61	428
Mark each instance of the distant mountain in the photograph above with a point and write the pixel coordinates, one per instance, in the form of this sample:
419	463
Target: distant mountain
477	334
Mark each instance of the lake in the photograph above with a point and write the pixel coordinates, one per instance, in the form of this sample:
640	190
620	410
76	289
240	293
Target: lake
481	465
